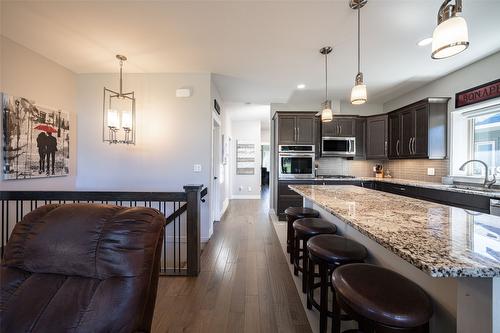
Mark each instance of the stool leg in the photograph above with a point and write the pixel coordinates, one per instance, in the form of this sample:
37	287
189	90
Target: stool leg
323	303
289	235
336	316
305	263
296	254
310	283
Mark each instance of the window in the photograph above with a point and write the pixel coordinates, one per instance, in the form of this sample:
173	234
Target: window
486	138
476	135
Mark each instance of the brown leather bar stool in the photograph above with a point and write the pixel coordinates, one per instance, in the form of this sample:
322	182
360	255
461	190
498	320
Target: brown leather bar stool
303	230
292	214
380	300
329	252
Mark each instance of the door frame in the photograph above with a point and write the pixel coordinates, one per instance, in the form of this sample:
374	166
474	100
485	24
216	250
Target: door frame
215	162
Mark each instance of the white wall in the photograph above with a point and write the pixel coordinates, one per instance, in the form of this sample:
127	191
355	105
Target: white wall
173	134
27	74
246	130
265	136
480	72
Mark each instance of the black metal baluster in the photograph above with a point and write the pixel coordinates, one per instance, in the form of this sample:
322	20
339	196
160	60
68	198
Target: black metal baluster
3	223
165	242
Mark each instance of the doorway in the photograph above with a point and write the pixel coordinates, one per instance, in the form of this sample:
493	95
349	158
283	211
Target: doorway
216	172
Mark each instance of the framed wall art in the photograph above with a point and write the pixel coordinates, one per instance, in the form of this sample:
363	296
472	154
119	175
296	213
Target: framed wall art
35	139
245	158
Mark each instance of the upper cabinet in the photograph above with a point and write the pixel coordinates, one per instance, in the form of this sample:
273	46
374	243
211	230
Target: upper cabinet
296	128
340	127
360	131
376	137
419	130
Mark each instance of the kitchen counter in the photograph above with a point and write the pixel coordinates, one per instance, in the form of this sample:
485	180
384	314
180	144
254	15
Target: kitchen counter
491	193
440	240
452	253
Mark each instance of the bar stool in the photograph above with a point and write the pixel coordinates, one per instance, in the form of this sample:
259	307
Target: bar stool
292	214
303	230
380	300
329	252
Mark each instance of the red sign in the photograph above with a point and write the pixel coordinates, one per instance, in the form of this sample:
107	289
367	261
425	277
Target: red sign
478	94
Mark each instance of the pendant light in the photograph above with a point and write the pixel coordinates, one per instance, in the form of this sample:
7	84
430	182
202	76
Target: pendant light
326	113
119	113
358	92
451	36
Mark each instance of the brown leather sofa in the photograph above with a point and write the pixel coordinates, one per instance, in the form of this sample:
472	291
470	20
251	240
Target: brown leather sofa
82	268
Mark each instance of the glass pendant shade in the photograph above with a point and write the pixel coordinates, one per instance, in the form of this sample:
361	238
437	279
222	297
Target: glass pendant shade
358	94
450	38
126	120
113	119
326	115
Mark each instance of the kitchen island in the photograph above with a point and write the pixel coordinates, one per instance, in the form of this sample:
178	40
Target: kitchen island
452	253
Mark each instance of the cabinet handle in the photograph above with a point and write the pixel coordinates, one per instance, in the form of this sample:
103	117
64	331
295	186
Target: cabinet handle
409	146
385	147
340	129
298	133
414	146
397	147
295	134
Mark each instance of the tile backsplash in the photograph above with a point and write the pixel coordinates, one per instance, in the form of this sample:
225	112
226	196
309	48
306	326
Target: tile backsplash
342	166
417	169
404	169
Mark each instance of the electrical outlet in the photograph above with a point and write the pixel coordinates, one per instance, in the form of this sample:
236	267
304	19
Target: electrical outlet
240	188
197	168
249	188
431	172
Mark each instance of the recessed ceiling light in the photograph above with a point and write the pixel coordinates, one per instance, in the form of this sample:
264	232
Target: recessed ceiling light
425	42
301	86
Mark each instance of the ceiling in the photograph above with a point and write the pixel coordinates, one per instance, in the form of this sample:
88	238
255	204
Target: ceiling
258	50
256	112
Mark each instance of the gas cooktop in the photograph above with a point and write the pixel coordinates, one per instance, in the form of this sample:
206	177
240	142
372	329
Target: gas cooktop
335	176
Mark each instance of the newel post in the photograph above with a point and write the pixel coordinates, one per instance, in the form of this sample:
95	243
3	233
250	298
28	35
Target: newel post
193	194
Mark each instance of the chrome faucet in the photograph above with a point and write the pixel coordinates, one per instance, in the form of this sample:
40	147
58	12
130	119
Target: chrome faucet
487	182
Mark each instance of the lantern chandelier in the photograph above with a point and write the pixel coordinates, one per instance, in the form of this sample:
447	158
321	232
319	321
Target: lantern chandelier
119	113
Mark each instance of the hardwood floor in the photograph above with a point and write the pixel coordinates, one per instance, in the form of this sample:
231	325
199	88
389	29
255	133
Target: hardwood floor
245	284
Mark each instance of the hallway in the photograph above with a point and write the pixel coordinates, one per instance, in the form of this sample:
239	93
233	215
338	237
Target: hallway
245	284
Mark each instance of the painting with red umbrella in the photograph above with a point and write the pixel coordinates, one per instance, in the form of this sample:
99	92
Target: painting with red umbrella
35	139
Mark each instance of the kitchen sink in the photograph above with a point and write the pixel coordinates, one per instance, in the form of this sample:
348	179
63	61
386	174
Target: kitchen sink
473	188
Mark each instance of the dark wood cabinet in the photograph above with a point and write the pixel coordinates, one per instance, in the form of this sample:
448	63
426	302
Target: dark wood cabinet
286	130
305	129
468	201
419	130
297	128
394	139
360	134
407	123
376	137
340	126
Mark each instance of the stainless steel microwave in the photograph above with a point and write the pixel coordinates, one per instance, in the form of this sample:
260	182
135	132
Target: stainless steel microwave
296	162
338	146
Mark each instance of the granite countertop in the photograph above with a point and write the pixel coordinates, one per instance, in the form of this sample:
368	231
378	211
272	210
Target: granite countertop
440	240
492	193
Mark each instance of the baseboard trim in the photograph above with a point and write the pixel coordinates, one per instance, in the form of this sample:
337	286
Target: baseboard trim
245	196
225	204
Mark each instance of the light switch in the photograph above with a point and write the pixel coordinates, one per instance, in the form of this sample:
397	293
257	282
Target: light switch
431	172
197	167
